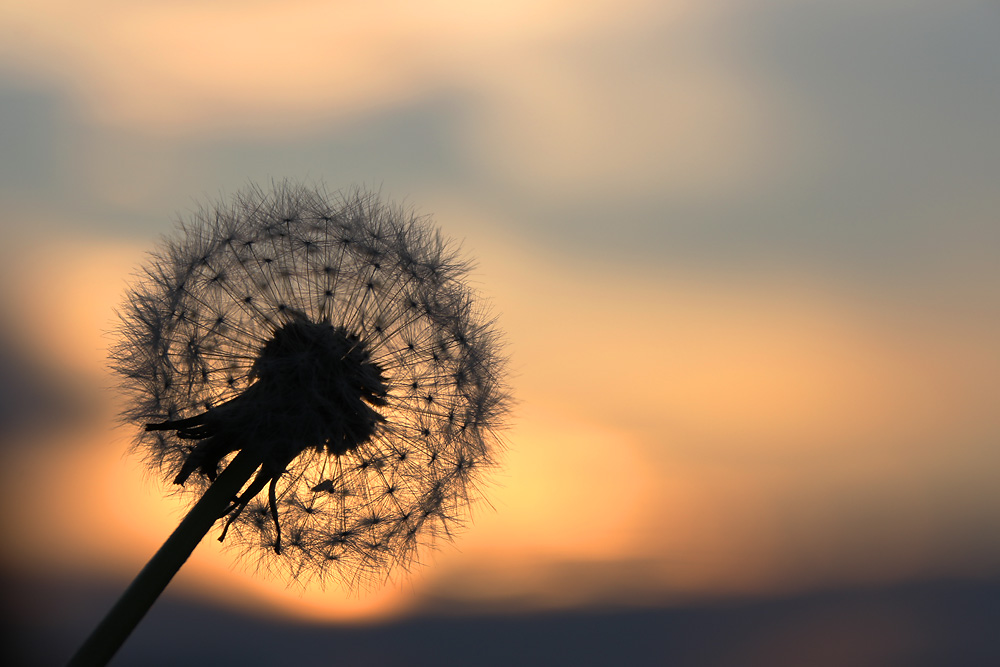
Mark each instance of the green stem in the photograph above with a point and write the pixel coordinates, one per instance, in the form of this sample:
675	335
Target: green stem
112	632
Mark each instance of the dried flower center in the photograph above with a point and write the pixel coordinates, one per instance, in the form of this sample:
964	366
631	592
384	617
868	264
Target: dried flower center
318	382
314	385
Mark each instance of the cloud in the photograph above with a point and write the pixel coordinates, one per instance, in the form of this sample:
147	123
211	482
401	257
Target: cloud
656	108
756	431
747	267
267	66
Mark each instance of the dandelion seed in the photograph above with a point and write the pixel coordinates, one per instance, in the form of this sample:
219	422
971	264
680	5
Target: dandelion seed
302	361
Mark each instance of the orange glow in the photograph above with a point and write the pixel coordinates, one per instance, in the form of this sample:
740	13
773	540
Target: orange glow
192	66
115	519
744	256
68	292
569	490
753	437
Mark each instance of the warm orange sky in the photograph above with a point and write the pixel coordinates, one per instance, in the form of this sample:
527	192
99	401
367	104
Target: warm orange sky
749	281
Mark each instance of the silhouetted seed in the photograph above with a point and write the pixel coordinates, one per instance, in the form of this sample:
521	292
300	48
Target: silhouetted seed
275	379
320	366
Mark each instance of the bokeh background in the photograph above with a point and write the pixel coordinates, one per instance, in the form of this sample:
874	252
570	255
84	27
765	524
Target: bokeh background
746	252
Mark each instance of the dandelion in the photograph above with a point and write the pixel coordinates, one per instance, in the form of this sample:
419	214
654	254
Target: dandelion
314	372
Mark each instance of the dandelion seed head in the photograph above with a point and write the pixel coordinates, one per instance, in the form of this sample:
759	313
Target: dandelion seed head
338	334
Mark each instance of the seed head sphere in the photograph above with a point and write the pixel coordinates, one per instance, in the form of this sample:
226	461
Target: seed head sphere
337	336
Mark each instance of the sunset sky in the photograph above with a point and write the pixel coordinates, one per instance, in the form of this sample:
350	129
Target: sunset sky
746	255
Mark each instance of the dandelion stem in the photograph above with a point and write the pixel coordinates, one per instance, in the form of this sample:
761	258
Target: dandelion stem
112	632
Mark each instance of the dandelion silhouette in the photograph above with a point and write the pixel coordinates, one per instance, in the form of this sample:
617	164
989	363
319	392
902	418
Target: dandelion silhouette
315	372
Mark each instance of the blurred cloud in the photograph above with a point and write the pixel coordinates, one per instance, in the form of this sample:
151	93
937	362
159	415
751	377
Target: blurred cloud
32	397
745	253
30	138
786	430
63	307
834	135
194	67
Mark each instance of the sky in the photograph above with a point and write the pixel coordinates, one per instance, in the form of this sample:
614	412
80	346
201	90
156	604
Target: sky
745	255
